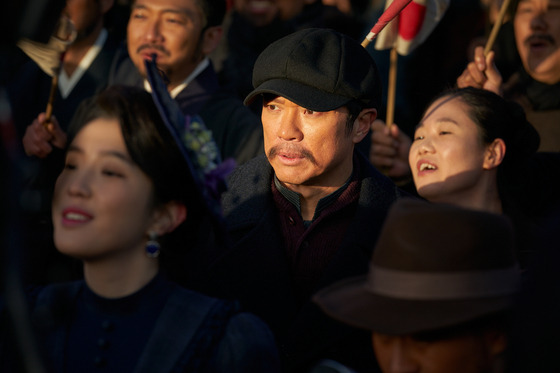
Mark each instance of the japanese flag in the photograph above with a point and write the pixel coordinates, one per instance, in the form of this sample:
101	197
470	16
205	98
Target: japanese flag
412	26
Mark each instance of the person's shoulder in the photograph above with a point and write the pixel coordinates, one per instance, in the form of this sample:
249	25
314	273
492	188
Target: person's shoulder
249	192
375	181
247	346
254	171
122	69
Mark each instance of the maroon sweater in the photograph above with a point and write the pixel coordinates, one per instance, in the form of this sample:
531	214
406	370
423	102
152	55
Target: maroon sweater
310	249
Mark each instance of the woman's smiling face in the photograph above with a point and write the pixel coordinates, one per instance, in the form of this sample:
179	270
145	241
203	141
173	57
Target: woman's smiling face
103	202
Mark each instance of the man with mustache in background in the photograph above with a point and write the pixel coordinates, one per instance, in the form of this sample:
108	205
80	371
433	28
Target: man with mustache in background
536	84
181	34
309	211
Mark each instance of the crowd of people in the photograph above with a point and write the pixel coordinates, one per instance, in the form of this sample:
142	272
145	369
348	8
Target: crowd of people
211	186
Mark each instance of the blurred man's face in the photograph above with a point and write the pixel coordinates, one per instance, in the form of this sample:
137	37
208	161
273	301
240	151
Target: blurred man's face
263	12
537	34
170	29
86	15
473	353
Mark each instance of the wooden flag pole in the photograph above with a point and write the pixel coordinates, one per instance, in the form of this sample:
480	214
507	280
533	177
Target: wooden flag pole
496	27
52	94
392	87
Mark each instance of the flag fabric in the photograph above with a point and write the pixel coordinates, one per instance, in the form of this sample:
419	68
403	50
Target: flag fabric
49	56
195	142
412	26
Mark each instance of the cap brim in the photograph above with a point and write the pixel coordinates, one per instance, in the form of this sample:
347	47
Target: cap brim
349	301
301	94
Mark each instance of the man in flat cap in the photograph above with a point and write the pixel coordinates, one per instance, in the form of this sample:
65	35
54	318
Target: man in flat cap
308	212
439	292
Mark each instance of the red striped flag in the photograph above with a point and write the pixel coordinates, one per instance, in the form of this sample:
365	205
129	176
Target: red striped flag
412	26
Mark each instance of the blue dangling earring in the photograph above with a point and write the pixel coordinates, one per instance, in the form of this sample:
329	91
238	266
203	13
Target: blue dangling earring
152	246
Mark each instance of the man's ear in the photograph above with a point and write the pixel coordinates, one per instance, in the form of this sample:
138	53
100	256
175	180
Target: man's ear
211	38
363	123
494	155
168	217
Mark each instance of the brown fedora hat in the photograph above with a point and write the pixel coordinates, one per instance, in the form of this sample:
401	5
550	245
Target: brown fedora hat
434	266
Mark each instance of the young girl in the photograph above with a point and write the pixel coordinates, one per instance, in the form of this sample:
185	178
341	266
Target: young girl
127	206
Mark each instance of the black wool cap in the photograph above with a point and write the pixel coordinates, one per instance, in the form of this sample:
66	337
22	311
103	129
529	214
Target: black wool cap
318	69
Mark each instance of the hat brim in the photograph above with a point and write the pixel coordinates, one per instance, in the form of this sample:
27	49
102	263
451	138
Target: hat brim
350	302
303	95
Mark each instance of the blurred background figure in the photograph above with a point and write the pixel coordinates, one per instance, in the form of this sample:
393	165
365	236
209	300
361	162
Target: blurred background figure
182	34
535	83
82	70
33	20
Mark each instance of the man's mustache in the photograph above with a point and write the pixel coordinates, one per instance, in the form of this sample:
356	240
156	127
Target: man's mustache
539	37
291	149
159	48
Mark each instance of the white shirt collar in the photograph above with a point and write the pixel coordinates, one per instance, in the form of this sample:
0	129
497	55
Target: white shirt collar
67	83
175	91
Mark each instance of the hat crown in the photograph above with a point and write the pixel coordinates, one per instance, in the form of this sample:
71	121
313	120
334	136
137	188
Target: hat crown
324	60
435	266
420	238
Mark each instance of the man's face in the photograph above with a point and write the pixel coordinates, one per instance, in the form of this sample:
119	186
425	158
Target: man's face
305	147
263	12
171	29
86	15
473	353
537	35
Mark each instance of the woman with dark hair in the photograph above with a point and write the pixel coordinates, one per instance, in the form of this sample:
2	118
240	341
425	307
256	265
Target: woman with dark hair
477	150
125	204
467	148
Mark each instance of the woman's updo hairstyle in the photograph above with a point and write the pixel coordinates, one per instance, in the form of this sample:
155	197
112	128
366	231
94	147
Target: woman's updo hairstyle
497	117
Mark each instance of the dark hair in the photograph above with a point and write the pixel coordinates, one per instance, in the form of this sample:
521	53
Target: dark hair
496	118
354	110
512	8
214	11
153	150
